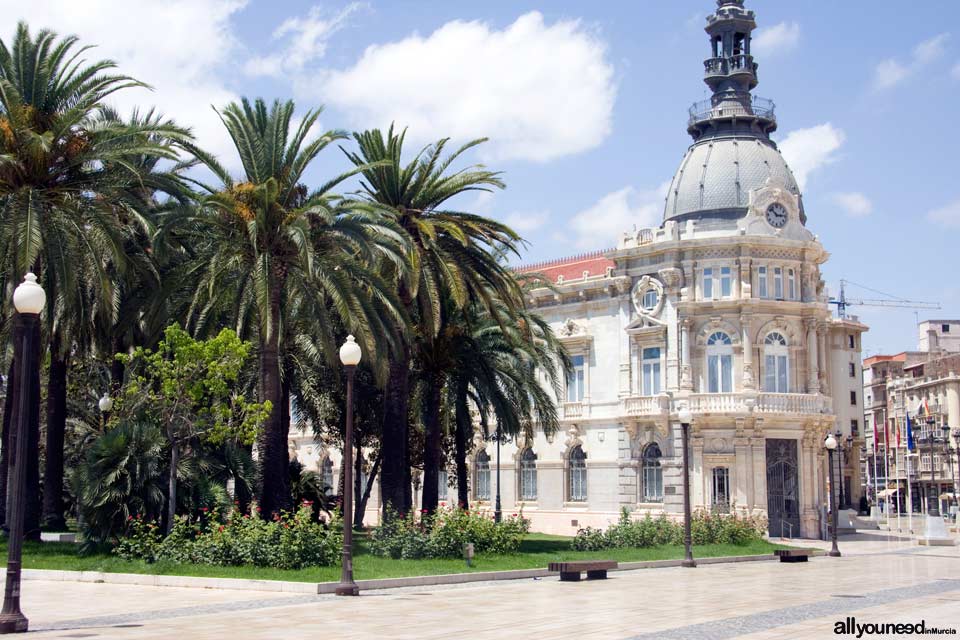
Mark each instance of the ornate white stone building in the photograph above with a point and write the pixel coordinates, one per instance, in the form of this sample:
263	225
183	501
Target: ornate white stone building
721	308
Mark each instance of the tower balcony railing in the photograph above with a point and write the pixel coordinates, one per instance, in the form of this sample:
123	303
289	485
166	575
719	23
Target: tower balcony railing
728	65
706	110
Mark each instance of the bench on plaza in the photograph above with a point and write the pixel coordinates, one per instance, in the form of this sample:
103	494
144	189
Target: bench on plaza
793	555
570	571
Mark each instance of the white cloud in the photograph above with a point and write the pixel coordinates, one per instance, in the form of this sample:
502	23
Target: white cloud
526	221
539	91
806	150
778	38
306	41
854	203
179	47
955	71
601	224
891	72
947	215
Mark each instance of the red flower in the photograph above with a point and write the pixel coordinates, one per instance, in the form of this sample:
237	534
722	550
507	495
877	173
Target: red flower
204	509
220	529
129	518
423	510
443	504
513	515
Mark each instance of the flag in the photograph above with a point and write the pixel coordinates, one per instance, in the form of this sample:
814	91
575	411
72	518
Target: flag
910	446
886	436
898	433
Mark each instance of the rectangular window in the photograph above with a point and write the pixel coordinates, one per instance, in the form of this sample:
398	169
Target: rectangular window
651	371
944	328
778	283
720	374
721	489
775	374
575	379
854	428
726	284
851	341
791	285
762	282
708	284
853	370
853	397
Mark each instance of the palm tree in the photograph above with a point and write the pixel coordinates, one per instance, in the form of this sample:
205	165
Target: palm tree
69	194
274	251
450	259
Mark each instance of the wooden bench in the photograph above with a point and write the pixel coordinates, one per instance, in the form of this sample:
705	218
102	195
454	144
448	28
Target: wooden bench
793	555
570	571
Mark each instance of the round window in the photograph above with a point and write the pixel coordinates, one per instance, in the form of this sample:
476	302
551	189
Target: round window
650	299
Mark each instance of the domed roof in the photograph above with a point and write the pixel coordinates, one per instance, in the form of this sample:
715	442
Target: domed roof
717	174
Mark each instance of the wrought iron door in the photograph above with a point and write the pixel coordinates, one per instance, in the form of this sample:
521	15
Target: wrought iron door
783	491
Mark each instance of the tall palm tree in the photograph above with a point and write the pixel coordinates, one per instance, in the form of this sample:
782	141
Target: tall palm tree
270	248
450	259
69	194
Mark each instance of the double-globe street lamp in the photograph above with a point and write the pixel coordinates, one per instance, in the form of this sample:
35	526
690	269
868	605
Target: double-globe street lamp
831	444
350	357
29	300
933	498
686	417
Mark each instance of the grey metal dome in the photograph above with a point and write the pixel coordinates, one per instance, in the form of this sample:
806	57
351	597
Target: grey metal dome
716	176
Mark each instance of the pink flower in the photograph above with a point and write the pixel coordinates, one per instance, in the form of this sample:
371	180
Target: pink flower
204	509
443	504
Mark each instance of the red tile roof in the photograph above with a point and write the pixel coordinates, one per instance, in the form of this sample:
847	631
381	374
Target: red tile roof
573	267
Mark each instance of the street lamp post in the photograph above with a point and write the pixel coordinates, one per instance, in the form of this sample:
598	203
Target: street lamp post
497	511
946	450
840	469
350	357
831	444
933	498
685	419
29	300
106	405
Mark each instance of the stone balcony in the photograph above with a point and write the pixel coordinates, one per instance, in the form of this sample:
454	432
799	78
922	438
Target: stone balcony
762	403
572	410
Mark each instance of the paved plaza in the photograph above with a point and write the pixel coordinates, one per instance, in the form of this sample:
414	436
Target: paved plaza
881	578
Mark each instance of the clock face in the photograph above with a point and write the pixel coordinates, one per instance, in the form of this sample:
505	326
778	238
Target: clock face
777	215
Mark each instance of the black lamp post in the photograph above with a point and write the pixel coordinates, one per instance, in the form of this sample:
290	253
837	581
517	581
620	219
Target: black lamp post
497	510
105	404
831	444
933	498
29	300
350	357
840	461
686	417
946	450
956	487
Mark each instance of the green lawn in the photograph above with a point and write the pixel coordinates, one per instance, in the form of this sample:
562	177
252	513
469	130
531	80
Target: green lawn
535	552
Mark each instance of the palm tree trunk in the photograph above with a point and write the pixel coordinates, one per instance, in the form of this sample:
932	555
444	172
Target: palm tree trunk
31	522
463	432
275	492
365	496
394	478
432	443
4	448
52	518
116	367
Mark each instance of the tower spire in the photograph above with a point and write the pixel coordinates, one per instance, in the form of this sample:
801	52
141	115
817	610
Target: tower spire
731	74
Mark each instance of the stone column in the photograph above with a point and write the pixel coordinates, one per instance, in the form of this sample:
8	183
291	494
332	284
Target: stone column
698	497
808	487
953	400
747	330
741	450
822	357
627	466
746	278
624	387
758	446
686	370
813	376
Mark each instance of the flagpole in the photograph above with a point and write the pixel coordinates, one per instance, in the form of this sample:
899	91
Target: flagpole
909	495
876	490
886	474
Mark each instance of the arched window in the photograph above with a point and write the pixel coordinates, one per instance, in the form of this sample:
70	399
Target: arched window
776	363
482	470
577	471
719	363
528	475
326	472
652	474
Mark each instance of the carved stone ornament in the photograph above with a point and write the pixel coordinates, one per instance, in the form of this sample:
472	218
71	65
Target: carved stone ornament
571	328
574	437
645	285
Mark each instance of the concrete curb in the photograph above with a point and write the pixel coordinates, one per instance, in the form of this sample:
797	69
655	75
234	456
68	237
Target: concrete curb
241	584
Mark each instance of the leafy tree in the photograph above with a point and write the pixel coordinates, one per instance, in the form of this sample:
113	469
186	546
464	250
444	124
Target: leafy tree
187	387
274	251
451	263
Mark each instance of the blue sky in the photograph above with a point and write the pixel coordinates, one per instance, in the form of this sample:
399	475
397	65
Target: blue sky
585	105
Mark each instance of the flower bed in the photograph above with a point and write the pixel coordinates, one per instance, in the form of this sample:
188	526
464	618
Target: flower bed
290	541
444	534
705	528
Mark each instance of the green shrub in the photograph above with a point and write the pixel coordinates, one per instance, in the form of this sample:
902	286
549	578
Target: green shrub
705	528
290	541
444	534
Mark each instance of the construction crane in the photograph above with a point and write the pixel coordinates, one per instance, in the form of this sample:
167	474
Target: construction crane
893	301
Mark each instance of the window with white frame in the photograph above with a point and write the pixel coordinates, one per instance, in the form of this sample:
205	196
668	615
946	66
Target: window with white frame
708	283
650	299
791	285
576	378
719	363
326	469
482	470
721	489
776	363
652	474
717	283
650	370
577	473
528	475
762	282
778	283
726	282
